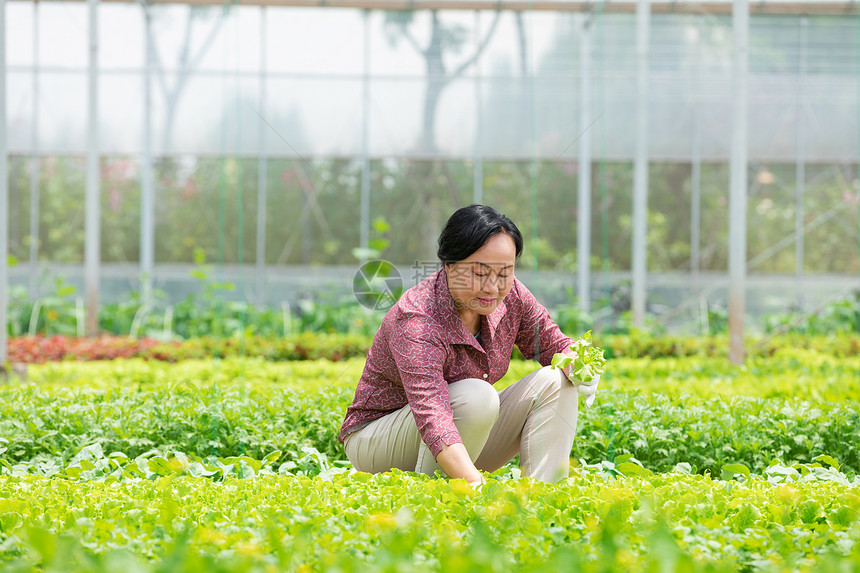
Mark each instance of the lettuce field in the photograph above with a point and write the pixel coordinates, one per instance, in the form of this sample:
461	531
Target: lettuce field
682	464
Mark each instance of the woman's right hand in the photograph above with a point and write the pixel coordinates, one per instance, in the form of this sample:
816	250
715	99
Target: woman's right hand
477	485
456	463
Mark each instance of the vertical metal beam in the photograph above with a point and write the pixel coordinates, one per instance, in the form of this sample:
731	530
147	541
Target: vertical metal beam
4	195
696	166
478	159
800	172
640	166
583	218
92	245
738	182
365	140
147	190
262	170
34	160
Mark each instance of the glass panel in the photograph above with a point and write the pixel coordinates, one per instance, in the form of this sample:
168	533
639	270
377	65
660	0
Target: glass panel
396	110
19	33
771	210
831	116
121	113
61	209
506	53
313	211
774	45
831	45
668	233
19	110
205	203
832	225
416	198
69	21
316	41
196	37
19	207
394	51
228	40
120	216
772	110
313	117
714	248
209	114
121	36
63	112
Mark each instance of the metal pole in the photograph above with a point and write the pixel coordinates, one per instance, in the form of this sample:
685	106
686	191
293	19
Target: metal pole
147	191
583	218
4	196
92	202
640	166
738	189
262	169
696	175
34	160
478	162
800	174
365	140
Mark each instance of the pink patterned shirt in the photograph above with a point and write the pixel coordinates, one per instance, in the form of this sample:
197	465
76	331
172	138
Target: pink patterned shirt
423	345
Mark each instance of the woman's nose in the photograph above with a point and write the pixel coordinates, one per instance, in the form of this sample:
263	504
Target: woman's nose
491	284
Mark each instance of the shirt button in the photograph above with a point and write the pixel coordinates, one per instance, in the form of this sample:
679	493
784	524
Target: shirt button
485	375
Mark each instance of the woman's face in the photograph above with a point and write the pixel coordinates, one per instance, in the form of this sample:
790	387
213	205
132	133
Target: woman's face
479	282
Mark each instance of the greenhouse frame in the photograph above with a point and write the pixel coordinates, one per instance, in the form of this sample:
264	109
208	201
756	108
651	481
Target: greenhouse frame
703	149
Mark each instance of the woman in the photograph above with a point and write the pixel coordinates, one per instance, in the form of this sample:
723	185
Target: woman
425	400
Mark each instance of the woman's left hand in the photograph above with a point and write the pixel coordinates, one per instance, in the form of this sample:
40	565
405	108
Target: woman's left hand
587	389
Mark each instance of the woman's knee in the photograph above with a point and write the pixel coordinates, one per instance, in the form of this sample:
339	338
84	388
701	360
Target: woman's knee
551	383
474	400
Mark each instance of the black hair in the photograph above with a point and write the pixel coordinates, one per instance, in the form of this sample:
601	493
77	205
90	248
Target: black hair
469	228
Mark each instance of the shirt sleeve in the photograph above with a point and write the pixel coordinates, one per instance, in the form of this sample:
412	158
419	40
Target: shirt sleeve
538	337
419	356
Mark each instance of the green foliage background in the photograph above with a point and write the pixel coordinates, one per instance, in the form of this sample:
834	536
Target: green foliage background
312	214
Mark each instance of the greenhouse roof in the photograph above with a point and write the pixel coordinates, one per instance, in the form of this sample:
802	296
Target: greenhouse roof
697	7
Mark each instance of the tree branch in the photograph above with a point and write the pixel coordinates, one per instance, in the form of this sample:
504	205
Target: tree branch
156	59
183	56
480	50
524	59
411	39
208	43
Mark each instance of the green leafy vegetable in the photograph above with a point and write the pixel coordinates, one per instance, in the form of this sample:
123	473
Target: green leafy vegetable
588	363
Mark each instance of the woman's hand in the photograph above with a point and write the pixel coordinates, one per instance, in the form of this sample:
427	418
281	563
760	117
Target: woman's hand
566	369
592	366
456	463
585	390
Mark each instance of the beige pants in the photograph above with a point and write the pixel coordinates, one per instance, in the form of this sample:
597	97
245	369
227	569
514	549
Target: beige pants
534	417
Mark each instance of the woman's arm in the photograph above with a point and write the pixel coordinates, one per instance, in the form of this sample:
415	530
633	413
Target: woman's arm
538	336
456	463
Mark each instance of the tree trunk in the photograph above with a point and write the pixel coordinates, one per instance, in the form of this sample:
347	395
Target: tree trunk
436	82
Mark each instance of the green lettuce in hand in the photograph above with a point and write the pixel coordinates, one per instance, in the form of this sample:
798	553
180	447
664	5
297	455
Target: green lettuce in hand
586	365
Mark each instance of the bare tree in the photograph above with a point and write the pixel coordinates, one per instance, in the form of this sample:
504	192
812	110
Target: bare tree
444	38
186	64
